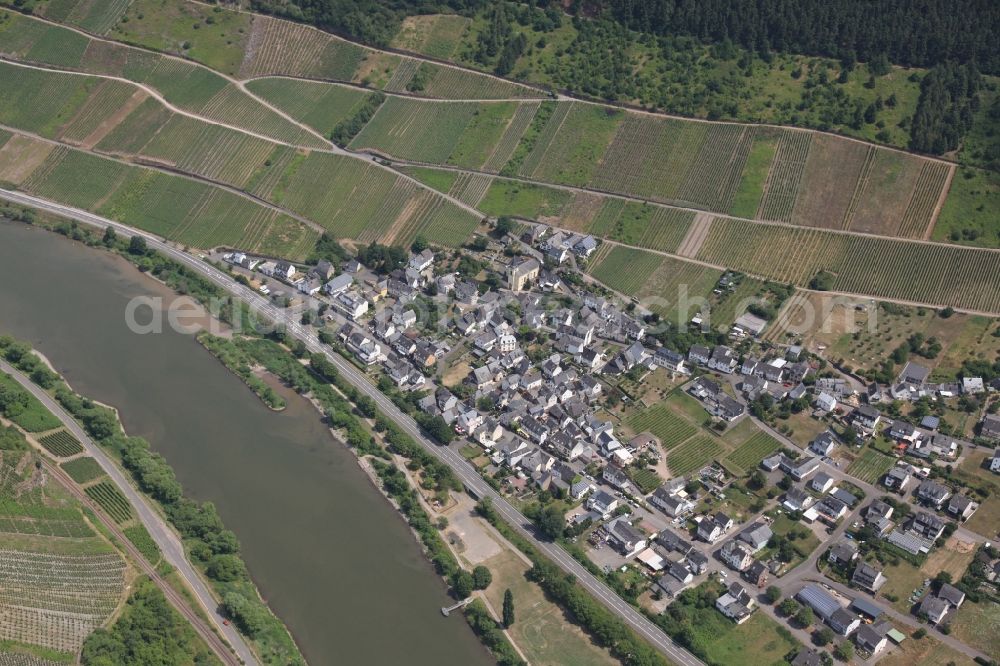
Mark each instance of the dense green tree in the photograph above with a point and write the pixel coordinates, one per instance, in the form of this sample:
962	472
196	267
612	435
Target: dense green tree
462	583
508	608
137	245
481	577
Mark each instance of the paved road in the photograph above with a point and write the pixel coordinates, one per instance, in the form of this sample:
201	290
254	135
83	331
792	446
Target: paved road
166	539
462	468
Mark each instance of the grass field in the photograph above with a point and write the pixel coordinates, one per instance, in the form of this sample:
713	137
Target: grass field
978	625
83	469
870	466
969	213
540	629
508	197
669	428
719	640
438	179
746	199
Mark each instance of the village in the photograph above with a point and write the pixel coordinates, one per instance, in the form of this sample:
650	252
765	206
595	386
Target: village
653	451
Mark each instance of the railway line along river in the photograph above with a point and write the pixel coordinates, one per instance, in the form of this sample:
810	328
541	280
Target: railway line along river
330	555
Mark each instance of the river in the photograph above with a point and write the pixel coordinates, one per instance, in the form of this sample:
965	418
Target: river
331	556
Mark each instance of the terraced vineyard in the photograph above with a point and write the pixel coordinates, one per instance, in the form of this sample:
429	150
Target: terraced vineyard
278	47
749	454
61	444
437	35
670	287
785	177
177	208
644	225
184	84
879	267
96	17
58	579
22	659
693	455
320	105
870	466
55	601
623	269
412	129
669	428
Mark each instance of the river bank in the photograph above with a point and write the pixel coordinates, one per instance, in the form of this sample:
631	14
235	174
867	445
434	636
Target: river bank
277	479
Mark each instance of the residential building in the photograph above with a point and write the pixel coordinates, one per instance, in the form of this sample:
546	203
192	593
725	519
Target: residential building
671	503
927	525
711	528
626	538
898	478
756	573
866	418
736	603
961	507
821	482
843	553
933	494
736	554
989	428
602	503
872	638
869	577
756	536
824	444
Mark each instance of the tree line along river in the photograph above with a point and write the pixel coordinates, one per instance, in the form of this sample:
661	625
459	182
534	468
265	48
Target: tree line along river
331	556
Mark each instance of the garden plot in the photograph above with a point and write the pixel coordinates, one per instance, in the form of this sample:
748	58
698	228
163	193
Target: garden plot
693	454
669	428
749	454
870	466
61	444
